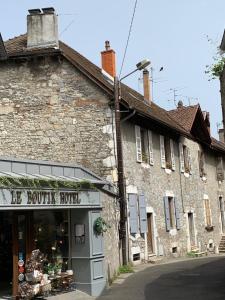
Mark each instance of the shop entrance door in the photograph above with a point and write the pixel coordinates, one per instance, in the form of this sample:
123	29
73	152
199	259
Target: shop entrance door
150	234
6	264
23	243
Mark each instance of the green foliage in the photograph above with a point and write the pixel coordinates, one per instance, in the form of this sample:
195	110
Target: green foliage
100	226
126	269
216	69
35	183
191	254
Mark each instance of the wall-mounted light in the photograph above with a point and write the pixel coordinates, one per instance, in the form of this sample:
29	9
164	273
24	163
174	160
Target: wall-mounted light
79	230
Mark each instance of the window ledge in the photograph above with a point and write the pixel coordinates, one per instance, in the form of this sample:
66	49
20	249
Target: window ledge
186	174
145	165
204	178
168	171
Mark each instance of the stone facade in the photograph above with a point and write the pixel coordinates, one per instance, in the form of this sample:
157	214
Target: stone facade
50	111
190	190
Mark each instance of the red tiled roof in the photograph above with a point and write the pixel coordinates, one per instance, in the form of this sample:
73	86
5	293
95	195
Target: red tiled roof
185	115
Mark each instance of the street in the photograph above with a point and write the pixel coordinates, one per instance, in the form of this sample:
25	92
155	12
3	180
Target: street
192	279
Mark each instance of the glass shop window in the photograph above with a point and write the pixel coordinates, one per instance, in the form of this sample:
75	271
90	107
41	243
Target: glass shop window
51	235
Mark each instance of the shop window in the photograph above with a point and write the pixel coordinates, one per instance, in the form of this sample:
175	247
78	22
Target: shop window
51	236
167	153
144	147
201	160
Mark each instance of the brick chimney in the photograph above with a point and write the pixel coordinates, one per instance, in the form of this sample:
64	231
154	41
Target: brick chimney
146	84
42	28
109	60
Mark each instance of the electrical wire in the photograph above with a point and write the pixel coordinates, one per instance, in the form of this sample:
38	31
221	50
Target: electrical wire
128	38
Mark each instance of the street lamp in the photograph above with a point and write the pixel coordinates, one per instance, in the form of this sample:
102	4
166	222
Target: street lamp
121	185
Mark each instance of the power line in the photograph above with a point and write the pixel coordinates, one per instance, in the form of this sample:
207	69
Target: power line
128	38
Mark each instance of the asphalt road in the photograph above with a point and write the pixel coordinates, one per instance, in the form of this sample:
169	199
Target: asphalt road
193	279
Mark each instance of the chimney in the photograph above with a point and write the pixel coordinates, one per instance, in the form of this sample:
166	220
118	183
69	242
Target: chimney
180	104
221	135
109	60
146	84
42	28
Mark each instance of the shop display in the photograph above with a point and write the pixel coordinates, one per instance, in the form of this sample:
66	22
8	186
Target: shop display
43	277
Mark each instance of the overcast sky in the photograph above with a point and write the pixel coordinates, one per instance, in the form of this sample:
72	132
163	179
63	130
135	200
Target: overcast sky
172	34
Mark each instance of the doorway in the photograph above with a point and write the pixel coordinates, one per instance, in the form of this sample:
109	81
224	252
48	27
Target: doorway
6	261
221	201
191	229
150	234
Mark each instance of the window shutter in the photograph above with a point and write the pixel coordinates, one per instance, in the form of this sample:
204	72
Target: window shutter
208	212
142	214
150	146
177	213
181	150
133	218
189	159
162	151
138	143
201	163
219	169
167	213
172	155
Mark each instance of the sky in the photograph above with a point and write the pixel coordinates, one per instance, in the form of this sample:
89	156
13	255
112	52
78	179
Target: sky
179	35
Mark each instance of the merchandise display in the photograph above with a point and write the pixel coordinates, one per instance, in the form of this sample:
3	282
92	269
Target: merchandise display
43	278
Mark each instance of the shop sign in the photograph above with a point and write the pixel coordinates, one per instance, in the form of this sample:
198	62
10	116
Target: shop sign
47	198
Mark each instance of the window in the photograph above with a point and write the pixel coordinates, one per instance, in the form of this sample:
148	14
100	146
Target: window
172	212
137	213
201	160
185	158
144	147
219	169
167	153
208	216
172	215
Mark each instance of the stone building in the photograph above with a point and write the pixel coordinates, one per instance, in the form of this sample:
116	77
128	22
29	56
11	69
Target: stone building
58	106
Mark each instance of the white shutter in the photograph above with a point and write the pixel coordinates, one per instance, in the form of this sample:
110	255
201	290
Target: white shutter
162	151
189	159
181	150
172	155
150	147
138	143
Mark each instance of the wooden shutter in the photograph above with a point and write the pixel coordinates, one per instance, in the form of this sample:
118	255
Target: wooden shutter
177	213
167	213
207	212
142	214
133	217
150	146
219	169
181	151
138	143
172	155
162	151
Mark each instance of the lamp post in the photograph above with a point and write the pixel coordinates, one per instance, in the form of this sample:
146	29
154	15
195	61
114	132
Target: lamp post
120	169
